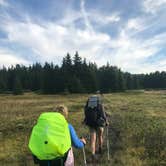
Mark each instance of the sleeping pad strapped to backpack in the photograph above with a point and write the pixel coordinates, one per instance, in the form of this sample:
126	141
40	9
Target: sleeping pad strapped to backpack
50	137
94	114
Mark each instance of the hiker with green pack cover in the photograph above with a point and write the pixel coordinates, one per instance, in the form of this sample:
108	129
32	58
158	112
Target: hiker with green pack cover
52	138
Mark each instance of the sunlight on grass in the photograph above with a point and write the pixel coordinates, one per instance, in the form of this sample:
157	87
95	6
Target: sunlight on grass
135	120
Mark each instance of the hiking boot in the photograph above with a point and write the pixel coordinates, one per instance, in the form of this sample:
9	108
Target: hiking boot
94	158
100	151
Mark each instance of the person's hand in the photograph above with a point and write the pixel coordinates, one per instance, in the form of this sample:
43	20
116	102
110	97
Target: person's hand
106	107
83	122
83	140
107	123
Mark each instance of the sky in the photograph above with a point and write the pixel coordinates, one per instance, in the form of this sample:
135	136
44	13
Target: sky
129	34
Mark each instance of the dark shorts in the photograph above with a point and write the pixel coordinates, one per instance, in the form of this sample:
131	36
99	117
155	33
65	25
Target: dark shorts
57	162
96	129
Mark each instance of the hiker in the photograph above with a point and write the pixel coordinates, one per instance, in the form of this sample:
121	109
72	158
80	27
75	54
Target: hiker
52	138
95	119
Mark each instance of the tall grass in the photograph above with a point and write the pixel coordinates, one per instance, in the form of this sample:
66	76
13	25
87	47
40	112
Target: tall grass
137	128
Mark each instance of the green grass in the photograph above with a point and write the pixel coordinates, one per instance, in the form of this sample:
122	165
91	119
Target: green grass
137	126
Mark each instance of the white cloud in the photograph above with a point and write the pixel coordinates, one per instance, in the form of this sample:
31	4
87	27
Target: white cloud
89	17
70	16
131	52
3	3
134	24
85	16
8	58
148	68
103	19
96	16
50	41
53	40
152	6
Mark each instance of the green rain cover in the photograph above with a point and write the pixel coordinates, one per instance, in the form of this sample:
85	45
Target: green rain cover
50	137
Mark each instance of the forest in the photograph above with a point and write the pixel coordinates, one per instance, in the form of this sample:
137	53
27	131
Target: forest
75	75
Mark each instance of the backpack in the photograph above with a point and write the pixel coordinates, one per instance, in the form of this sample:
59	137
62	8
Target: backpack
94	116
50	137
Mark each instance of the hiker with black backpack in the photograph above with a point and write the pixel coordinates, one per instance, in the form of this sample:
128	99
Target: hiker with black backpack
95	119
52	137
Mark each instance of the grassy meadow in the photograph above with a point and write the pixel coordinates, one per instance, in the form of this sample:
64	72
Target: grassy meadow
137	130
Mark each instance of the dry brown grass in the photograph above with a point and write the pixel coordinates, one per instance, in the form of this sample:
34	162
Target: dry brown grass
18	114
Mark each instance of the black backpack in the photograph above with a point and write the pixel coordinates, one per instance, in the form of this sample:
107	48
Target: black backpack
94	114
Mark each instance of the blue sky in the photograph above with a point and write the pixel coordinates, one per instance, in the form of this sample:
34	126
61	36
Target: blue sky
130	34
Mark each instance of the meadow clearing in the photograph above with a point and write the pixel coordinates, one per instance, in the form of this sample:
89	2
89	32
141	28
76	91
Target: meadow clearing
137	130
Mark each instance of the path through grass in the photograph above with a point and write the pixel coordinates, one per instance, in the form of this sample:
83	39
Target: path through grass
137	129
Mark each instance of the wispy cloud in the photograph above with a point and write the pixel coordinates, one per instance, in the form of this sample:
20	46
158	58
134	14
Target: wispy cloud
8	58
103	19
49	40
130	51
152	6
3	3
85	16
53	40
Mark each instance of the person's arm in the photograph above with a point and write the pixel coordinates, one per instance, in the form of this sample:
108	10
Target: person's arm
102	112
85	108
76	142
84	121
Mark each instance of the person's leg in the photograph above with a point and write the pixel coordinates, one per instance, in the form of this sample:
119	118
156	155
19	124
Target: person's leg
100	133
70	158
93	140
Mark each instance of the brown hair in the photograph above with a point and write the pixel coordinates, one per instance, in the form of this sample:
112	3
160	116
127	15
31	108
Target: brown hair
62	109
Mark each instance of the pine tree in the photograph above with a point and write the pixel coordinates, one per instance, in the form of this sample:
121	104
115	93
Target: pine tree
48	82
67	72
3	80
77	60
75	76
17	88
2	85
121	81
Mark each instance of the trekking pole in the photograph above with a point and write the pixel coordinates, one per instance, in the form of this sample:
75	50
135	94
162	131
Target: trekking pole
85	163
108	147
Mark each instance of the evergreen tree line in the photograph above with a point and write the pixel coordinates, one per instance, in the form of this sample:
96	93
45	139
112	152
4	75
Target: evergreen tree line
75	75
